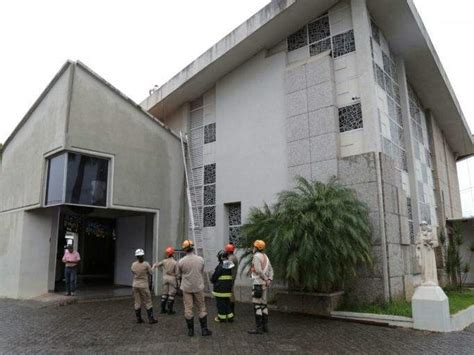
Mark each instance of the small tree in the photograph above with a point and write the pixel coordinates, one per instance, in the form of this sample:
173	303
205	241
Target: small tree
317	235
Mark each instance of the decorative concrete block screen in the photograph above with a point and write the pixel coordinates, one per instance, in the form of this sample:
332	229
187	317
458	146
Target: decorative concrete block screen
204	174
210	133
390	112
317	35
350	117
423	172
234	212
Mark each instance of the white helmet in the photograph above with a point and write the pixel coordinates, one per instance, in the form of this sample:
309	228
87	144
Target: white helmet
139	252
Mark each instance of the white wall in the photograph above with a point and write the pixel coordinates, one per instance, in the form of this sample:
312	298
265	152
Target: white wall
250	147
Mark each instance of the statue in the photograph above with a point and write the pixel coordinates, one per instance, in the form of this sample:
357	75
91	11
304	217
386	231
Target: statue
426	241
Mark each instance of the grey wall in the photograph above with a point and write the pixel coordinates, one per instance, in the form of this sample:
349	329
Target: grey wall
26	235
36	252
447	192
25	244
148	168
22	165
390	236
131	235
80	111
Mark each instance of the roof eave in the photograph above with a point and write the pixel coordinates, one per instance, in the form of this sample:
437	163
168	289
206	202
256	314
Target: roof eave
262	31
409	39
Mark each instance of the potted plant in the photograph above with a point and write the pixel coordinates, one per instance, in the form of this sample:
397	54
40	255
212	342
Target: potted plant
317	236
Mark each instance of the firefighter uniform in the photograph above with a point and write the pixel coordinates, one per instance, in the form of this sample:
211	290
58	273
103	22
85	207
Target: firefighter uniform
262	276
223	280
169	267
141	271
190	272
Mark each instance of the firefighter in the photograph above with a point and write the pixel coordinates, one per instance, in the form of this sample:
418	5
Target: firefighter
262	276
141	270
222	280
190	272
230	249
169	268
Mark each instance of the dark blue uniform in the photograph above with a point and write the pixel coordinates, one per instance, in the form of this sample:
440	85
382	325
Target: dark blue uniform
222	280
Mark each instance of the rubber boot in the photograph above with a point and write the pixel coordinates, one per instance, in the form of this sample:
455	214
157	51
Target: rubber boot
204	331
163	305
190	323
151	318
170	307
265	323
138	314
259	325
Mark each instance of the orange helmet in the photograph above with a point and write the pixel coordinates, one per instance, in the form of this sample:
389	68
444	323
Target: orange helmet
187	245
169	251
230	248
259	244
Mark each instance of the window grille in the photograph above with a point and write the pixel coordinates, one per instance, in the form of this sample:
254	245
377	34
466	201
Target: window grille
210	133
320	47
210	174
210	195
298	39
234	211
319	29
343	43
350	117
209	216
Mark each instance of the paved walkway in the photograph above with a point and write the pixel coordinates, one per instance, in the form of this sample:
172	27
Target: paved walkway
108	326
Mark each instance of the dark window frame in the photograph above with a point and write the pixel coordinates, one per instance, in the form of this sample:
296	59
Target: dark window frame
64	200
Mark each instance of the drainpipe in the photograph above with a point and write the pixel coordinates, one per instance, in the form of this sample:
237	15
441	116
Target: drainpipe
383	235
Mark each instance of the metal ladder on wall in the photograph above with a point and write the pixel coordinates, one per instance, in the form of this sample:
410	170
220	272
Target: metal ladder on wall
195	216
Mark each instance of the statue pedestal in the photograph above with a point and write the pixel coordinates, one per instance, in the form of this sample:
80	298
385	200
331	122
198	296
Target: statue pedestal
430	308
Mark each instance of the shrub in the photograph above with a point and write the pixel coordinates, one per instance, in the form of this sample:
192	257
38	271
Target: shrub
317	235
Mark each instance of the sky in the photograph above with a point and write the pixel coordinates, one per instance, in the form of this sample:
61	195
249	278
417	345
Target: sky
138	44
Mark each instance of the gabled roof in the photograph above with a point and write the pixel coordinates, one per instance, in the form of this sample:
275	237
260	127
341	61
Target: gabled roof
81	65
399	21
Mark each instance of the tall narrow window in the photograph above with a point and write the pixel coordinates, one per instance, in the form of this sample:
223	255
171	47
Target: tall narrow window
56	180
234	212
209	196
210	133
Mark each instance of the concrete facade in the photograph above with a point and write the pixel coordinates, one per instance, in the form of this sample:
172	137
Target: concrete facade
337	95
80	112
319	89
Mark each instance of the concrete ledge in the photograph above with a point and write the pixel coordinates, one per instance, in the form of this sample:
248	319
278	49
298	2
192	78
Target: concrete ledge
462	319
319	304
382	319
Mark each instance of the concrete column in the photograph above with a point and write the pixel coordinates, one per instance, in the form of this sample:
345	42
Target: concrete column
362	33
408	133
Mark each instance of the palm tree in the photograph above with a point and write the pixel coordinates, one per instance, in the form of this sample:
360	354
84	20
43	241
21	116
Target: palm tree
317	235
